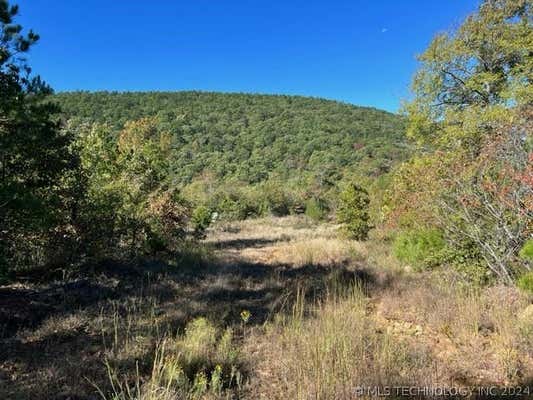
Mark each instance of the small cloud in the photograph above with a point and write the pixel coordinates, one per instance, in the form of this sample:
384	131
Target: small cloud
383	30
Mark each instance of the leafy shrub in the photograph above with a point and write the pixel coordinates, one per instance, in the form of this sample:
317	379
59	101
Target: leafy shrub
353	212
165	217
316	209
421	248
276	200
527	250
234	202
129	204
201	219
465	258
250	203
228	205
525	282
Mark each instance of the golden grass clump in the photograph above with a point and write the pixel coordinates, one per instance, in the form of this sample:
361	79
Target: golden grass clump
318	252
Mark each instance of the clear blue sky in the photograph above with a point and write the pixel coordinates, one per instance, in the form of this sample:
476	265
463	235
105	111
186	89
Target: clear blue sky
362	52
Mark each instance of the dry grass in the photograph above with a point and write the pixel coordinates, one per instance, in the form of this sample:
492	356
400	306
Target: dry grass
466	339
332	353
477	334
202	363
411	329
326	315
316	251
292	241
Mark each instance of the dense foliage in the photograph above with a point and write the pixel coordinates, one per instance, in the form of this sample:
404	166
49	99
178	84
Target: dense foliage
34	154
128	174
129	202
137	173
240	155
353	211
421	249
472	116
250	138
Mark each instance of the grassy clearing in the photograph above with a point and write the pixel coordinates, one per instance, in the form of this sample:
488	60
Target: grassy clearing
278	308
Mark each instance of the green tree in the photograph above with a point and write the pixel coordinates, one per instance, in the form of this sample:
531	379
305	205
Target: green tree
130	203
472	112
34	153
316	208
253	138
201	219
475	77
353	211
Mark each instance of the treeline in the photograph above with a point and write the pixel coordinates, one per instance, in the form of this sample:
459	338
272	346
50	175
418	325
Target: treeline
250	138
243	155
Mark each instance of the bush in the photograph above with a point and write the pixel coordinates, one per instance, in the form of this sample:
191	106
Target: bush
228	205
421	248
466	259
276	200
201	219
525	282
353	212
165	217
236	203
527	250
316	209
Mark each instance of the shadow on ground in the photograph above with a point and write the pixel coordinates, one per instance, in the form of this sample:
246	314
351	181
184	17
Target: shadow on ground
51	341
243	243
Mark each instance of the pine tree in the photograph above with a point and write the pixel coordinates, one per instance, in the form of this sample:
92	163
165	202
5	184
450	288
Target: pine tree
353	212
33	151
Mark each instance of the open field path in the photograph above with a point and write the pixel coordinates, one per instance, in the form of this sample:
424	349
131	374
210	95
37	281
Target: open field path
56	330
56	333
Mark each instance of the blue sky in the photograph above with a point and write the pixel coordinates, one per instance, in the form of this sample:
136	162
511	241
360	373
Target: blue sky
362	52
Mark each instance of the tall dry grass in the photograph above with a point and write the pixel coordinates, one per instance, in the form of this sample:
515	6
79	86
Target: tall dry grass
335	351
456	339
201	363
319	252
408	330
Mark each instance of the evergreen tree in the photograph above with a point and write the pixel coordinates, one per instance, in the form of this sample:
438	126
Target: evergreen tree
33	151
353	212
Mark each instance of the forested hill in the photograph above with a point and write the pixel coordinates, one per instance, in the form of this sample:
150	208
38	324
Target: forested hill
253	137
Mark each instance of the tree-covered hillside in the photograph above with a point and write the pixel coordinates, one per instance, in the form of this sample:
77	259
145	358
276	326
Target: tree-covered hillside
253	137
